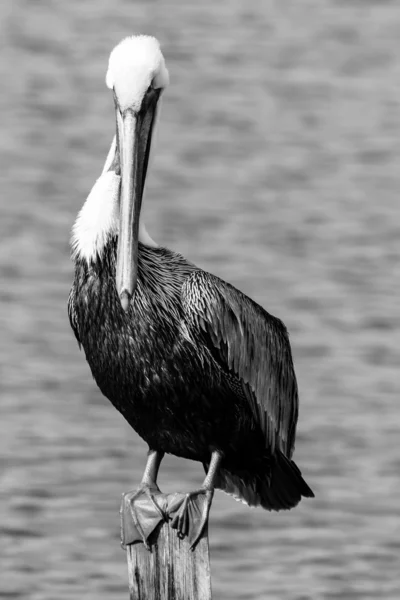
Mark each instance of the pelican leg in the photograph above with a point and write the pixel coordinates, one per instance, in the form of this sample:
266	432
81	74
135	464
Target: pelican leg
140	512
192	516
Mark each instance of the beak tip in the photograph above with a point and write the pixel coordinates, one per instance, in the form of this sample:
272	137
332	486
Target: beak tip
125	299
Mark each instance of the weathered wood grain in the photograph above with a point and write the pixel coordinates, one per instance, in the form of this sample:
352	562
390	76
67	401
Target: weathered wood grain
169	570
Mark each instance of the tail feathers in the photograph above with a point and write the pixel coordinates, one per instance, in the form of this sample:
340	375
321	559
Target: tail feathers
281	490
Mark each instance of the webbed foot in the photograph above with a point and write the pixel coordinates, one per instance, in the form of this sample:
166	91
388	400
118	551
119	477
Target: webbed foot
192	516
141	513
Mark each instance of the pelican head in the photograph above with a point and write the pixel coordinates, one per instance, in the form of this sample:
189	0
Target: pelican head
137	76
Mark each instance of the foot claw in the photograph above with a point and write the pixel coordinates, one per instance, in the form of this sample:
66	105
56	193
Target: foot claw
140	514
143	510
192	515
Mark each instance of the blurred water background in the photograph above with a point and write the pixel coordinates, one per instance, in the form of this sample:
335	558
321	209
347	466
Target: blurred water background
278	168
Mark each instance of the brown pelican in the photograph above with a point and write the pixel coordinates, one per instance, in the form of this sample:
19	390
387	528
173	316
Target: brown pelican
197	368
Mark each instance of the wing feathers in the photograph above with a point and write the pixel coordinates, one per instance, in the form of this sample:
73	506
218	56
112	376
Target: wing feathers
253	345
72	315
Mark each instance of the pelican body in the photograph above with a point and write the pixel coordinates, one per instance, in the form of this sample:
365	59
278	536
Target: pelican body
198	369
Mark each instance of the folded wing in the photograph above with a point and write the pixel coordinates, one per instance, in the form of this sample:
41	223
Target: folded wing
254	346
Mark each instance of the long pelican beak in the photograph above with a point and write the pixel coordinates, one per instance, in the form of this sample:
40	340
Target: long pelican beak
134	132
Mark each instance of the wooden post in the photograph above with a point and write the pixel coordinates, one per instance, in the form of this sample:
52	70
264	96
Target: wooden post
169	570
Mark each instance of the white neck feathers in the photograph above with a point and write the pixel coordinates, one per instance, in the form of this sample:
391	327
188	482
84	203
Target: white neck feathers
98	219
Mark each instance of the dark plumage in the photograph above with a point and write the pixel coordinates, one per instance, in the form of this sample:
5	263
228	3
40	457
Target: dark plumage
197	368
194	366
